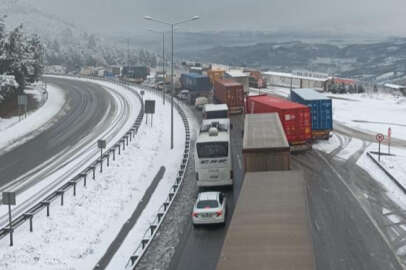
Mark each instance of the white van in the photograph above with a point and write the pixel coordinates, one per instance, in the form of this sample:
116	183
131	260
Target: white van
215	111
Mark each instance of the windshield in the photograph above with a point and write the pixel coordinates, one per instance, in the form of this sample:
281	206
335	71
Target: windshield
207	204
216	114
212	149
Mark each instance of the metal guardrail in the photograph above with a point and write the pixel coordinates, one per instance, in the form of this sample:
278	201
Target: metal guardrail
396	181
163	210
45	203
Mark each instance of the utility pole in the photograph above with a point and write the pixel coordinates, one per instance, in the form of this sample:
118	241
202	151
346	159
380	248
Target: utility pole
172	25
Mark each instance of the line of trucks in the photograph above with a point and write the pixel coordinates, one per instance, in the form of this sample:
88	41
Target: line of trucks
270	228
307	116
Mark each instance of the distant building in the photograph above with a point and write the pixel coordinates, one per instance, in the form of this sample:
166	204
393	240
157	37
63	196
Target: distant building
283	79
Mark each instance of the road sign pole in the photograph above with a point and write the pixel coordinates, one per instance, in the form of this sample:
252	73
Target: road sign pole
11	228
379	152
389	139
101	159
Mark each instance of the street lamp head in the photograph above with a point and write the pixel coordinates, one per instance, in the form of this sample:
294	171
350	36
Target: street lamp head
195	18
149	18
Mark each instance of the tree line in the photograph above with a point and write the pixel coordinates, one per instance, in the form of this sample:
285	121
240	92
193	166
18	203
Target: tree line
21	55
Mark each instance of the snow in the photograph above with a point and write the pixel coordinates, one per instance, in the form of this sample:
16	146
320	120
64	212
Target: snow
14	133
76	235
353	146
328	146
371	113
395	167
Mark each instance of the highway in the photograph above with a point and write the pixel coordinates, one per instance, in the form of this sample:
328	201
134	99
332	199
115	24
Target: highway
91	111
342	200
85	107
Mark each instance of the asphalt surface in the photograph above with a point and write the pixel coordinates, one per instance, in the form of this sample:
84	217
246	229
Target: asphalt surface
81	115
349	229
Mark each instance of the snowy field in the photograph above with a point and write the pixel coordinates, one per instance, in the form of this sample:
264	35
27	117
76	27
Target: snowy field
14	132
371	113
76	235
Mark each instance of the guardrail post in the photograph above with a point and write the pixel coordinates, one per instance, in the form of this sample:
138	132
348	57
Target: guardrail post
74	187
133	259
84	178
166	204
160	215
60	193
152	227
126	139
171	196
144	243
29	216
46	203
94	172
114	153
108	159
123	144
119	149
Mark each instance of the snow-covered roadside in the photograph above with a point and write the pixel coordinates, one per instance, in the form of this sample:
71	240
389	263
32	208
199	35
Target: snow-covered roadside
14	132
171	159
395	165
371	113
327	146
77	234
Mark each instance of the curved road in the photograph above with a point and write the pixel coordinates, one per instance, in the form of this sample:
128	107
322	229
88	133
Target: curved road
85	107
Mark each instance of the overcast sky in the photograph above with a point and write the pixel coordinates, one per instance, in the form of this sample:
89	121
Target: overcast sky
373	16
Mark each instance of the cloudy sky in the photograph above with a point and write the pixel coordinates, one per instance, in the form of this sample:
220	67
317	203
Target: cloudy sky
371	16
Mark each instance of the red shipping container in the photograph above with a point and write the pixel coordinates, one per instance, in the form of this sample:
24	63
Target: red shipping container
295	117
231	93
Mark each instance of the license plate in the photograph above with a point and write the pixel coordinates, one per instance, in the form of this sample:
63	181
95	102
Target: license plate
205	215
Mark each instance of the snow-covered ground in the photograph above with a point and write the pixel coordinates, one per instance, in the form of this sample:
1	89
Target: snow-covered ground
76	235
395	166
371	113
14	132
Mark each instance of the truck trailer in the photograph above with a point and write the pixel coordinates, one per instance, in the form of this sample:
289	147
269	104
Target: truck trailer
231	93
321	109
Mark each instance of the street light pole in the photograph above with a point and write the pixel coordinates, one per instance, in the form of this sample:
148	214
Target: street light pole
163	67
173	91
172	25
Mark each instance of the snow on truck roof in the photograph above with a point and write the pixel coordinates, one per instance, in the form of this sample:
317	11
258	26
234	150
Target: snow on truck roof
236	73
310	94
228	82
263	131
215	107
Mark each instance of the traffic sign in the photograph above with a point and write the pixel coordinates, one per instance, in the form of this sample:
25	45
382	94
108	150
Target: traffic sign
9	198
380	137
101	144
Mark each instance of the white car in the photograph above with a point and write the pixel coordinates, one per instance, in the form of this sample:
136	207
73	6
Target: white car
200	102
183	95
210	208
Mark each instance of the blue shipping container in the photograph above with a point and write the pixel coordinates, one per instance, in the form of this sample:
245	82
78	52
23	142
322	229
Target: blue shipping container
321	107
195	82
